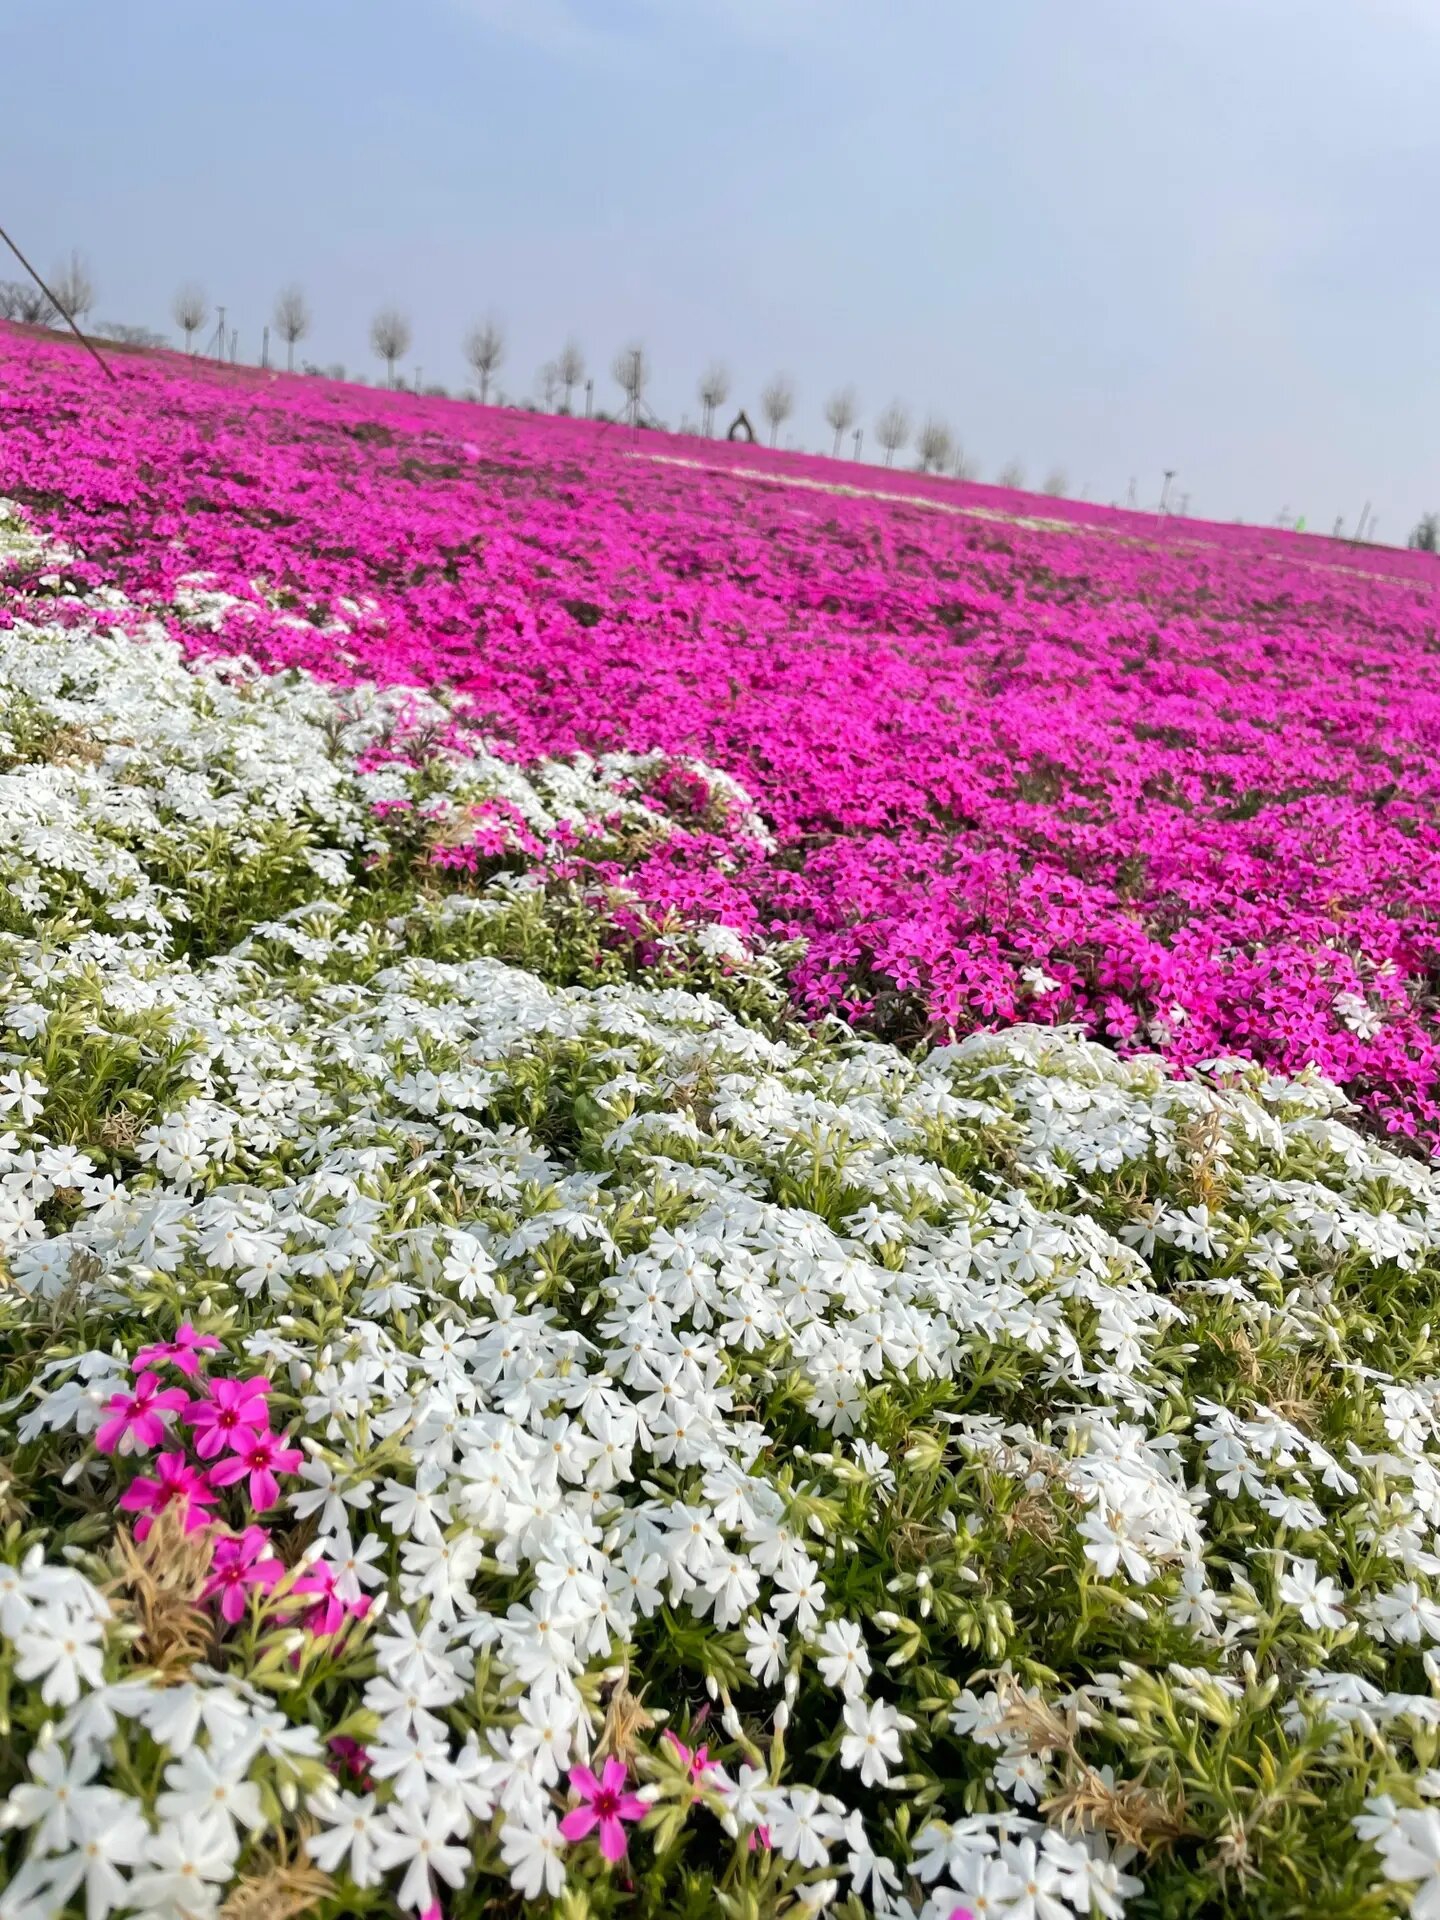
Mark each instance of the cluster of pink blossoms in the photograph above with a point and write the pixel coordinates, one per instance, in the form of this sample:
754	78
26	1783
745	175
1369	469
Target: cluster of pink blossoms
1180	784
215	1434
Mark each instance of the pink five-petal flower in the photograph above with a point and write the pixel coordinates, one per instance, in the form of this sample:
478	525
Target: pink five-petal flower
137	1420
605	1804
241	1561
175	1481
183	1351
697	1760
261	1456
327	1614
231	1417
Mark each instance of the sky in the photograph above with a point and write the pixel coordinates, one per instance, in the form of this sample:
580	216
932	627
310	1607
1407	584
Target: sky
1099	237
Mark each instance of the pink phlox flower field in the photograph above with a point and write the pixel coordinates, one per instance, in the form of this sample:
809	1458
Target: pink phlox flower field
1014	759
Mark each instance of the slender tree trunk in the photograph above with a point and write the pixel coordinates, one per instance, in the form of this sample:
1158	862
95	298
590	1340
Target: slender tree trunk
835	455
889	455
774	429
289	356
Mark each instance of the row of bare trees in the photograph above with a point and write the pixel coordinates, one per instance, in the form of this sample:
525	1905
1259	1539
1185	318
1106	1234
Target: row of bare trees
935	445
71	292
484	349
484	346
936	448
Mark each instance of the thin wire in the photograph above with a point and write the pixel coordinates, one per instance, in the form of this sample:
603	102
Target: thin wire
88	345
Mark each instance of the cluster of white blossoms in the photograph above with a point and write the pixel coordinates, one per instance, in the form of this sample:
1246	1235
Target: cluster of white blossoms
140	792
887	1462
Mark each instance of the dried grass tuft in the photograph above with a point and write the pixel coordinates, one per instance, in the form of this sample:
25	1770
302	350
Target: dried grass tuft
157	1587
285	1887
625	1720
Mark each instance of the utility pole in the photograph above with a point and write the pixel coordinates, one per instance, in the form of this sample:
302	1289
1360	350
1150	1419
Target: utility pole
220	336
265	348
1165	490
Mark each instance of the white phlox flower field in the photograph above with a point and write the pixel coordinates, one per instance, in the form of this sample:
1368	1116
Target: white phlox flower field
441	1357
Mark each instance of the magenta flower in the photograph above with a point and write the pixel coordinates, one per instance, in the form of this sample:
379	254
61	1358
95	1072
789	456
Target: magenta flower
350	1755
262	1456
329	1614
183	1351
328	1611
697	1760
605	1804
137	1420
241	1561
231	1418
175	1480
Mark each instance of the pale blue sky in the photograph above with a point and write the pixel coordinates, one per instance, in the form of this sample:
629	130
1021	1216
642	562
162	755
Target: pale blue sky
1107	235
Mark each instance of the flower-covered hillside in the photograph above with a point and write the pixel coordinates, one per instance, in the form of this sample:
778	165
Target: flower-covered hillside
494	1412
1174	784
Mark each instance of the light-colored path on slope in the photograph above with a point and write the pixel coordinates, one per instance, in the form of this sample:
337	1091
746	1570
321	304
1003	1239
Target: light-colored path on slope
855	493
1035	522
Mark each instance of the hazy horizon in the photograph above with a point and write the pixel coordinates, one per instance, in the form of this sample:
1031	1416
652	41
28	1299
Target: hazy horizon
1110	243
